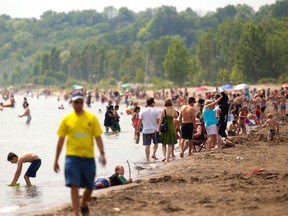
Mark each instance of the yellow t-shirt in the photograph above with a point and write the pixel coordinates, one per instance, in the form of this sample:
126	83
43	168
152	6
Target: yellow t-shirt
81	131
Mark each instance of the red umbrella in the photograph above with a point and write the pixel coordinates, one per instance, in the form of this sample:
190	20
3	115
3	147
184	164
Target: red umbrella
202	88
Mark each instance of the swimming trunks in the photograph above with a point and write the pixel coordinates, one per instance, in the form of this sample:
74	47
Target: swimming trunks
34	166
187	130
105	182
29	118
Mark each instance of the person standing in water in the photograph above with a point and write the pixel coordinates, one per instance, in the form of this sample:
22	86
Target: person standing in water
32	158
26	113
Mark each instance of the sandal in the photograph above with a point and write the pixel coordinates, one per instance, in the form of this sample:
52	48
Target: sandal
84	210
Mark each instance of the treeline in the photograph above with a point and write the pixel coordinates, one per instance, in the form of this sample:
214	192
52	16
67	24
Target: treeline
233	44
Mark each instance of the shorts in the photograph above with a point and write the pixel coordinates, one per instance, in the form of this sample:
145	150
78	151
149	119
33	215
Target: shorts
212	130
28	120
80	171
148	138
33	168
283	106
187	130
103	181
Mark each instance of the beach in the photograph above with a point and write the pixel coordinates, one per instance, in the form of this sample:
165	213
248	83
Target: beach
248	179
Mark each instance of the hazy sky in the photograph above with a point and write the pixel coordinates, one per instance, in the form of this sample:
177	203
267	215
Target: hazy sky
34	8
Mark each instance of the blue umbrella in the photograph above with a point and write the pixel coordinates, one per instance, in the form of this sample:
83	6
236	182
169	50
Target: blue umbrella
227	86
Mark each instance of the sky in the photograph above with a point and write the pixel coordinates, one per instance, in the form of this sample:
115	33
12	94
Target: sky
35	8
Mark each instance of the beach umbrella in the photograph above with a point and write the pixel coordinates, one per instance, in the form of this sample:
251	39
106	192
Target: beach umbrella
227	86
285	85
242	86
202	88
125	85
75	86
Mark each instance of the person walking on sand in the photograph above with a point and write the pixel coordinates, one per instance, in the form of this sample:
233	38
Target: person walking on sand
32	158
150	119
273	126
80	126
169	137
26	113
283	99
210	122
187	120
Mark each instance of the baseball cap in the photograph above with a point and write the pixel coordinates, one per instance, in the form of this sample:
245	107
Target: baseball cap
77	94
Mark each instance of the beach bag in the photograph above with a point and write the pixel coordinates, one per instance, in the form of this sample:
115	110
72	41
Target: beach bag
164	125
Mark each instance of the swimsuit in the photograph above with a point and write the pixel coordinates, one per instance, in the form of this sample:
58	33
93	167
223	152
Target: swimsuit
187	130
34	166
105	182
29	117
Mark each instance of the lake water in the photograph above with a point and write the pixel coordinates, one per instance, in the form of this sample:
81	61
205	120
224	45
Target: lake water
40	136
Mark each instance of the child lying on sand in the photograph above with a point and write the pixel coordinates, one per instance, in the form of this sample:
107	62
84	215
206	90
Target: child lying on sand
116	179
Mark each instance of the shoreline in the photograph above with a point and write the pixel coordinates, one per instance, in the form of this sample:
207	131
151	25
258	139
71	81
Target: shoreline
207	183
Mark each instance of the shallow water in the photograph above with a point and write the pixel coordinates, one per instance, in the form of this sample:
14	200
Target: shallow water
40	136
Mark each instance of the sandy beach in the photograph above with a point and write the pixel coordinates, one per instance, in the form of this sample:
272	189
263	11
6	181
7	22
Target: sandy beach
248	179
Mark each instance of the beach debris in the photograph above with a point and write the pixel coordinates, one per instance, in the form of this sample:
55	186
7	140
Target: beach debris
253	171
239	158
117	209
138	167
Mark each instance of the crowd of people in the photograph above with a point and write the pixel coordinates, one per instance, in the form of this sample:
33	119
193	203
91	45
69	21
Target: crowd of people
206	122
214	119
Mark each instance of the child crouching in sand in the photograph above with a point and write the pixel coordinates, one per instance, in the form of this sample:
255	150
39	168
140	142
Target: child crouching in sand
273	126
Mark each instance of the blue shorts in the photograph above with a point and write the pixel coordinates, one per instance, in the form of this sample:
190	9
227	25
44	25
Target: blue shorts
101	181
28	120
33	168
80	171
147	138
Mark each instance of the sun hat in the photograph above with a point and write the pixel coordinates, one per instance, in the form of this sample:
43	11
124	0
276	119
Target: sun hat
77	94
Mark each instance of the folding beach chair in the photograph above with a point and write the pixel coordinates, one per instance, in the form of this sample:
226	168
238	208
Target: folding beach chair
201	143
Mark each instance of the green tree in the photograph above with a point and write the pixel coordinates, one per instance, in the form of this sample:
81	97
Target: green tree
251	53
176	62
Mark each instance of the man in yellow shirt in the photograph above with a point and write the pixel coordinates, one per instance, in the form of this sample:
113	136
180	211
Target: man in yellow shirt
80	126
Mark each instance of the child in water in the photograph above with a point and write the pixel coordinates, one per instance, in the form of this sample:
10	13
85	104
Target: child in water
26	113
24	158
135	122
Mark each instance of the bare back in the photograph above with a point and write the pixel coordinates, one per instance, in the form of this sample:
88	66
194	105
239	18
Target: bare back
187	114
28	157
273	124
